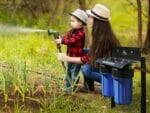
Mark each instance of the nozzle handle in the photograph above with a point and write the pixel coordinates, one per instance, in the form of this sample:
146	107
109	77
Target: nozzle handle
56	36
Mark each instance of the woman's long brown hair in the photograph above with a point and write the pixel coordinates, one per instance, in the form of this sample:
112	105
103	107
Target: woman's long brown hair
103	40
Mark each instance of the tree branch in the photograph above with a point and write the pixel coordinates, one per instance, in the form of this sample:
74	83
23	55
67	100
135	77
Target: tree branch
134	6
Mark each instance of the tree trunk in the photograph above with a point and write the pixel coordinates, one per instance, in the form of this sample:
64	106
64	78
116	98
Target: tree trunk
82	5
57	11
147	40
139	43
27	4
13	3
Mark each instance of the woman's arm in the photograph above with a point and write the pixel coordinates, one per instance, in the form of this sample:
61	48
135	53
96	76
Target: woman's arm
79	60
74	59
63	57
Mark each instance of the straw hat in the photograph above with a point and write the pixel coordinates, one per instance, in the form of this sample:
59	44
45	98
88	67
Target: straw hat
81	15
100	12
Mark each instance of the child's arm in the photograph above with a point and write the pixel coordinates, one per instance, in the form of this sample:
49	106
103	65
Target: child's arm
73	39
58	41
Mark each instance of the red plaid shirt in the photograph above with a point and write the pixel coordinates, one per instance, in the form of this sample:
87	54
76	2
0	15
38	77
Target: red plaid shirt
74	40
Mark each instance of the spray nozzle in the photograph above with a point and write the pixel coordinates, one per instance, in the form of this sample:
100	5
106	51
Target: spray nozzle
50	32
53	32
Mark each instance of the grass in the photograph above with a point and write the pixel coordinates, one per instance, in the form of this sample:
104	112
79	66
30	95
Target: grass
34	49
28	55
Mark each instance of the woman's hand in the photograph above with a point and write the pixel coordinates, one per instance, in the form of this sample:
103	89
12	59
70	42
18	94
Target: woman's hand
62	57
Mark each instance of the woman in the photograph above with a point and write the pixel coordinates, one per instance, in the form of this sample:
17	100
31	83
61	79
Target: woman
103	41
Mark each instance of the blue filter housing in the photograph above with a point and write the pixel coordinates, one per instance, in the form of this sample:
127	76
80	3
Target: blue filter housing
122	83
107	81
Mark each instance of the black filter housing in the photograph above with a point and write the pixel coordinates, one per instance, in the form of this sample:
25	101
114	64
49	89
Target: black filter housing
123	73
105	69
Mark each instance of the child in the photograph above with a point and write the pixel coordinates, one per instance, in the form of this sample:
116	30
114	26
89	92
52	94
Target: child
74	40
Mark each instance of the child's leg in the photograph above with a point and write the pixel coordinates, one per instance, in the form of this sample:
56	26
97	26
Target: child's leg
68	77
88	84
74	75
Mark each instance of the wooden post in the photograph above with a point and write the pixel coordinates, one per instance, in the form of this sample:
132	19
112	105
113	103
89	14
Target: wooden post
139	43
143	85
